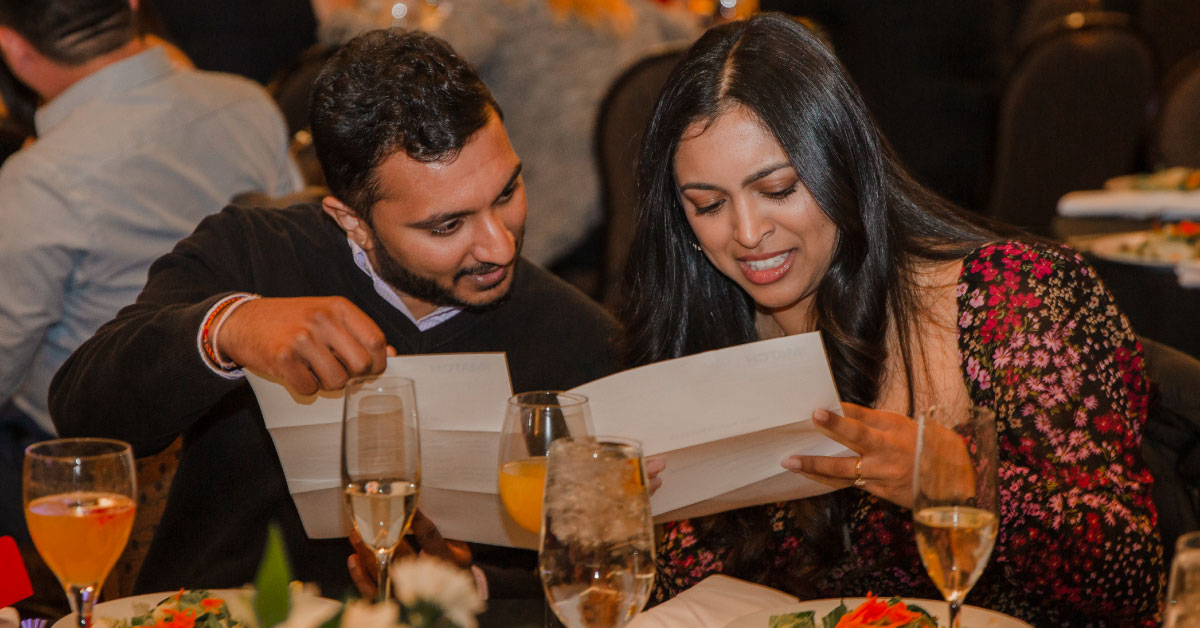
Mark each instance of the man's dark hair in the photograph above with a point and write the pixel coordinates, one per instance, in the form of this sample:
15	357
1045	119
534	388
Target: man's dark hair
71	32
389	91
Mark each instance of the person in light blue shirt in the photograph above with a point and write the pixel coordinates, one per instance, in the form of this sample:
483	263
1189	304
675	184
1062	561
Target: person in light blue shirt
132	152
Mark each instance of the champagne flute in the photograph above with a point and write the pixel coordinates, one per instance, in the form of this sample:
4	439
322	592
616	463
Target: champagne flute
1183	590
381	464
532	421
80	497
955	505
597	549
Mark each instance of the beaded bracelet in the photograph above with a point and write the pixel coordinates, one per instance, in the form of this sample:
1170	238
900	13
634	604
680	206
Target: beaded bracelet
212	324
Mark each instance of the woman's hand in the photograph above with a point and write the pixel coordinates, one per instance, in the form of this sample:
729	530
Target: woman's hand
885	442
364	568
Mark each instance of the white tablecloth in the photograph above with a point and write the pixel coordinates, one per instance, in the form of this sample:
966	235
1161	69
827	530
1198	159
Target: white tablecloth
1168	204
712	603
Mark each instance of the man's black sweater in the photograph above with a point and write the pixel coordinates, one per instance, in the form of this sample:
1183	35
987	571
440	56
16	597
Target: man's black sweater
141	379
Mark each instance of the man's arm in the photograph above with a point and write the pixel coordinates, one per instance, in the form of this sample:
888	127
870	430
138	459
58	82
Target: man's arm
142	377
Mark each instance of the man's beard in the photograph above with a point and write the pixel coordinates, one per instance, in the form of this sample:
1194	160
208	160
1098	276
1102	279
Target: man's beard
427	289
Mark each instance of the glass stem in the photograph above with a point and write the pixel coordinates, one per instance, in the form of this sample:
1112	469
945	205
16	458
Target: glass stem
82	599
955	607
383	579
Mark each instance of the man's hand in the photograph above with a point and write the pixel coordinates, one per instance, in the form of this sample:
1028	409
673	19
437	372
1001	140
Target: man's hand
311	343
654	466
364	568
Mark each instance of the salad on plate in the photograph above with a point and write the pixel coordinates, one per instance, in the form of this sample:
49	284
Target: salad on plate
196	608
873	613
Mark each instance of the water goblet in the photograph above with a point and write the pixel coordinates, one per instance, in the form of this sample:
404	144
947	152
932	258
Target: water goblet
596	557
381	464
80	497
955	507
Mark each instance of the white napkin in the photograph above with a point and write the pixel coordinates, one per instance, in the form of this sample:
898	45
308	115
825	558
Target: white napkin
1188	273
712	603
1131	203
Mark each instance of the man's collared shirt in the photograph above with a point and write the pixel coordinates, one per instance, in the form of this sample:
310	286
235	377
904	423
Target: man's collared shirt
127	162
385	290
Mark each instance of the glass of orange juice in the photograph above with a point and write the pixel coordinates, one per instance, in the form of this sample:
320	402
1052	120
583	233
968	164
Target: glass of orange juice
532	421
80	498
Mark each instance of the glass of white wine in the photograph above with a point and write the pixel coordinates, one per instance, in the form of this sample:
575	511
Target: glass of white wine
1183	589
955	507
596	557
381	463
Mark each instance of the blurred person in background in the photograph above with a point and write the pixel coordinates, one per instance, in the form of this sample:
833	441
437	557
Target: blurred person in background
132	152
551	62
253	38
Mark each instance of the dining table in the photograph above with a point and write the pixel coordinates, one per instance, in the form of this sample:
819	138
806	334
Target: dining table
720	601
1158	305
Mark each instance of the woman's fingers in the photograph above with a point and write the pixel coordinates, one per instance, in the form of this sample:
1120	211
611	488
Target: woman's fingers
848	431
885	443
877	419
838	468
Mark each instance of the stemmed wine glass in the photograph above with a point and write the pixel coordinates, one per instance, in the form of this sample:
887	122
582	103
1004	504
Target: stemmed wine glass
955	506
80	497
381	464
532	421
597	549
1183	590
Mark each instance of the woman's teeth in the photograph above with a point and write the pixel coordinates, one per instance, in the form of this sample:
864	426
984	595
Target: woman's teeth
768	264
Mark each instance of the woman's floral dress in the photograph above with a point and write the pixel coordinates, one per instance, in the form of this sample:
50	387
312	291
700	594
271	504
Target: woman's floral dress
1042	344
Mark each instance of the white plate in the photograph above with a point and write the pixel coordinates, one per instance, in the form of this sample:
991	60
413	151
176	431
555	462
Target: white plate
1111	247
971	615
132	606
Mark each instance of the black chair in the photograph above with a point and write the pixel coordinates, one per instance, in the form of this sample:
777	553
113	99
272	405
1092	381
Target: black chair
1040	16
1175	139
1173	27
624	112
1073	113
1171	440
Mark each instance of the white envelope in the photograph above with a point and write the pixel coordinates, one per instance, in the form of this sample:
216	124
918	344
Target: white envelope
723	420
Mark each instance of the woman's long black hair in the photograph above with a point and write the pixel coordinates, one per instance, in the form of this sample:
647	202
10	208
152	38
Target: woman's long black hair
677	303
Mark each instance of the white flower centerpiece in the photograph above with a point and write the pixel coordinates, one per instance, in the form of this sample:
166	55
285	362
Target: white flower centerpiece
429	593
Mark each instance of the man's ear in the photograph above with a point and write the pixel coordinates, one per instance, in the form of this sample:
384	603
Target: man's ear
355	227
16	49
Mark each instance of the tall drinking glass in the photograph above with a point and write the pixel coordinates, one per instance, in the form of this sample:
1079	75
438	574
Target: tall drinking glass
80	498
1183	589
955	507
532	421
597	548
381	464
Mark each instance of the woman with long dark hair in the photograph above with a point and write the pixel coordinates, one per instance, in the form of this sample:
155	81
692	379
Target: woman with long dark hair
770	205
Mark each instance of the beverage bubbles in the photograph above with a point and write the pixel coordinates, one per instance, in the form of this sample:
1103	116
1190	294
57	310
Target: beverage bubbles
955	497
381	464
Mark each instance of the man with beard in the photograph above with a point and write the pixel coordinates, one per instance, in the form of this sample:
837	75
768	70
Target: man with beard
415	251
